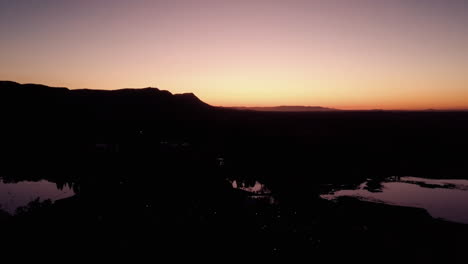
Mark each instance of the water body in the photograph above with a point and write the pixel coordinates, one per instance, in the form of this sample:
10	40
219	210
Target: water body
14	195
257	190
442	198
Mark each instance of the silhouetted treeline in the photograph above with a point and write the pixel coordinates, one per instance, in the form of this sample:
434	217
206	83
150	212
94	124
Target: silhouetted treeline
150	171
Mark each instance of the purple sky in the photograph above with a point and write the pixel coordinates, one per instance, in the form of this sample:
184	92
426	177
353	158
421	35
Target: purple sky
410	54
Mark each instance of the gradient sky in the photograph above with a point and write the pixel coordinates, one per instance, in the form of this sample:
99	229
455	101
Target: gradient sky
362	54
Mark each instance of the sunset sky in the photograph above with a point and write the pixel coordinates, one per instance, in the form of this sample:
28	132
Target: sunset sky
349	54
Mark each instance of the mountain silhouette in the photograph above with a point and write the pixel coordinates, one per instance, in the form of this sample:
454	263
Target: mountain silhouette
287	108
154	172
145	103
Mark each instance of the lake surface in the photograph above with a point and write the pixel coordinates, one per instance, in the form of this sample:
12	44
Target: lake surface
442	198
14	195
257	190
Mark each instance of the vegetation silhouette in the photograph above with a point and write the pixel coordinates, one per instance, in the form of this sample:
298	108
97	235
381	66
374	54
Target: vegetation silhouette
152	170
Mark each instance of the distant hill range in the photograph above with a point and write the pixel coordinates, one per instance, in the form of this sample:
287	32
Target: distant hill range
288	109
141	103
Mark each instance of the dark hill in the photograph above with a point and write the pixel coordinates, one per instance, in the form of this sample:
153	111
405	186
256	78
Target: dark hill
288	109
332	144
46	102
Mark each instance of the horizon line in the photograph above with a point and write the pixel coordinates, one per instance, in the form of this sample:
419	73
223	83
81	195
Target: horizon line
326	108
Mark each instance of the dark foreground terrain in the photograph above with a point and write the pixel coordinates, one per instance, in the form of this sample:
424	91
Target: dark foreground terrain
153	177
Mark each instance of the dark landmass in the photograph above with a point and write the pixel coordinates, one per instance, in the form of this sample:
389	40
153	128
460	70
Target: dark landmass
150	171
298	109
287	109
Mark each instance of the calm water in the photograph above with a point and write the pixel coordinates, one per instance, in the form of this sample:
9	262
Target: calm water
14	195
446	199
256	188
258	191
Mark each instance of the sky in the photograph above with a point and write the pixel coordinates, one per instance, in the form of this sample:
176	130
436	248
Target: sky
349	54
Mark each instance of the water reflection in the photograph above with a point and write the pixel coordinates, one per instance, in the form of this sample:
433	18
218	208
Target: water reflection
257	188
442	198
15	195
257	191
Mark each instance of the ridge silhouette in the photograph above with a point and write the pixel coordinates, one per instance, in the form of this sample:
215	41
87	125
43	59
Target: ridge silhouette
153	175
145	98
287	108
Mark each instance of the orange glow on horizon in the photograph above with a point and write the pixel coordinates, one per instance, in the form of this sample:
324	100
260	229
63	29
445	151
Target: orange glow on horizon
365	55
